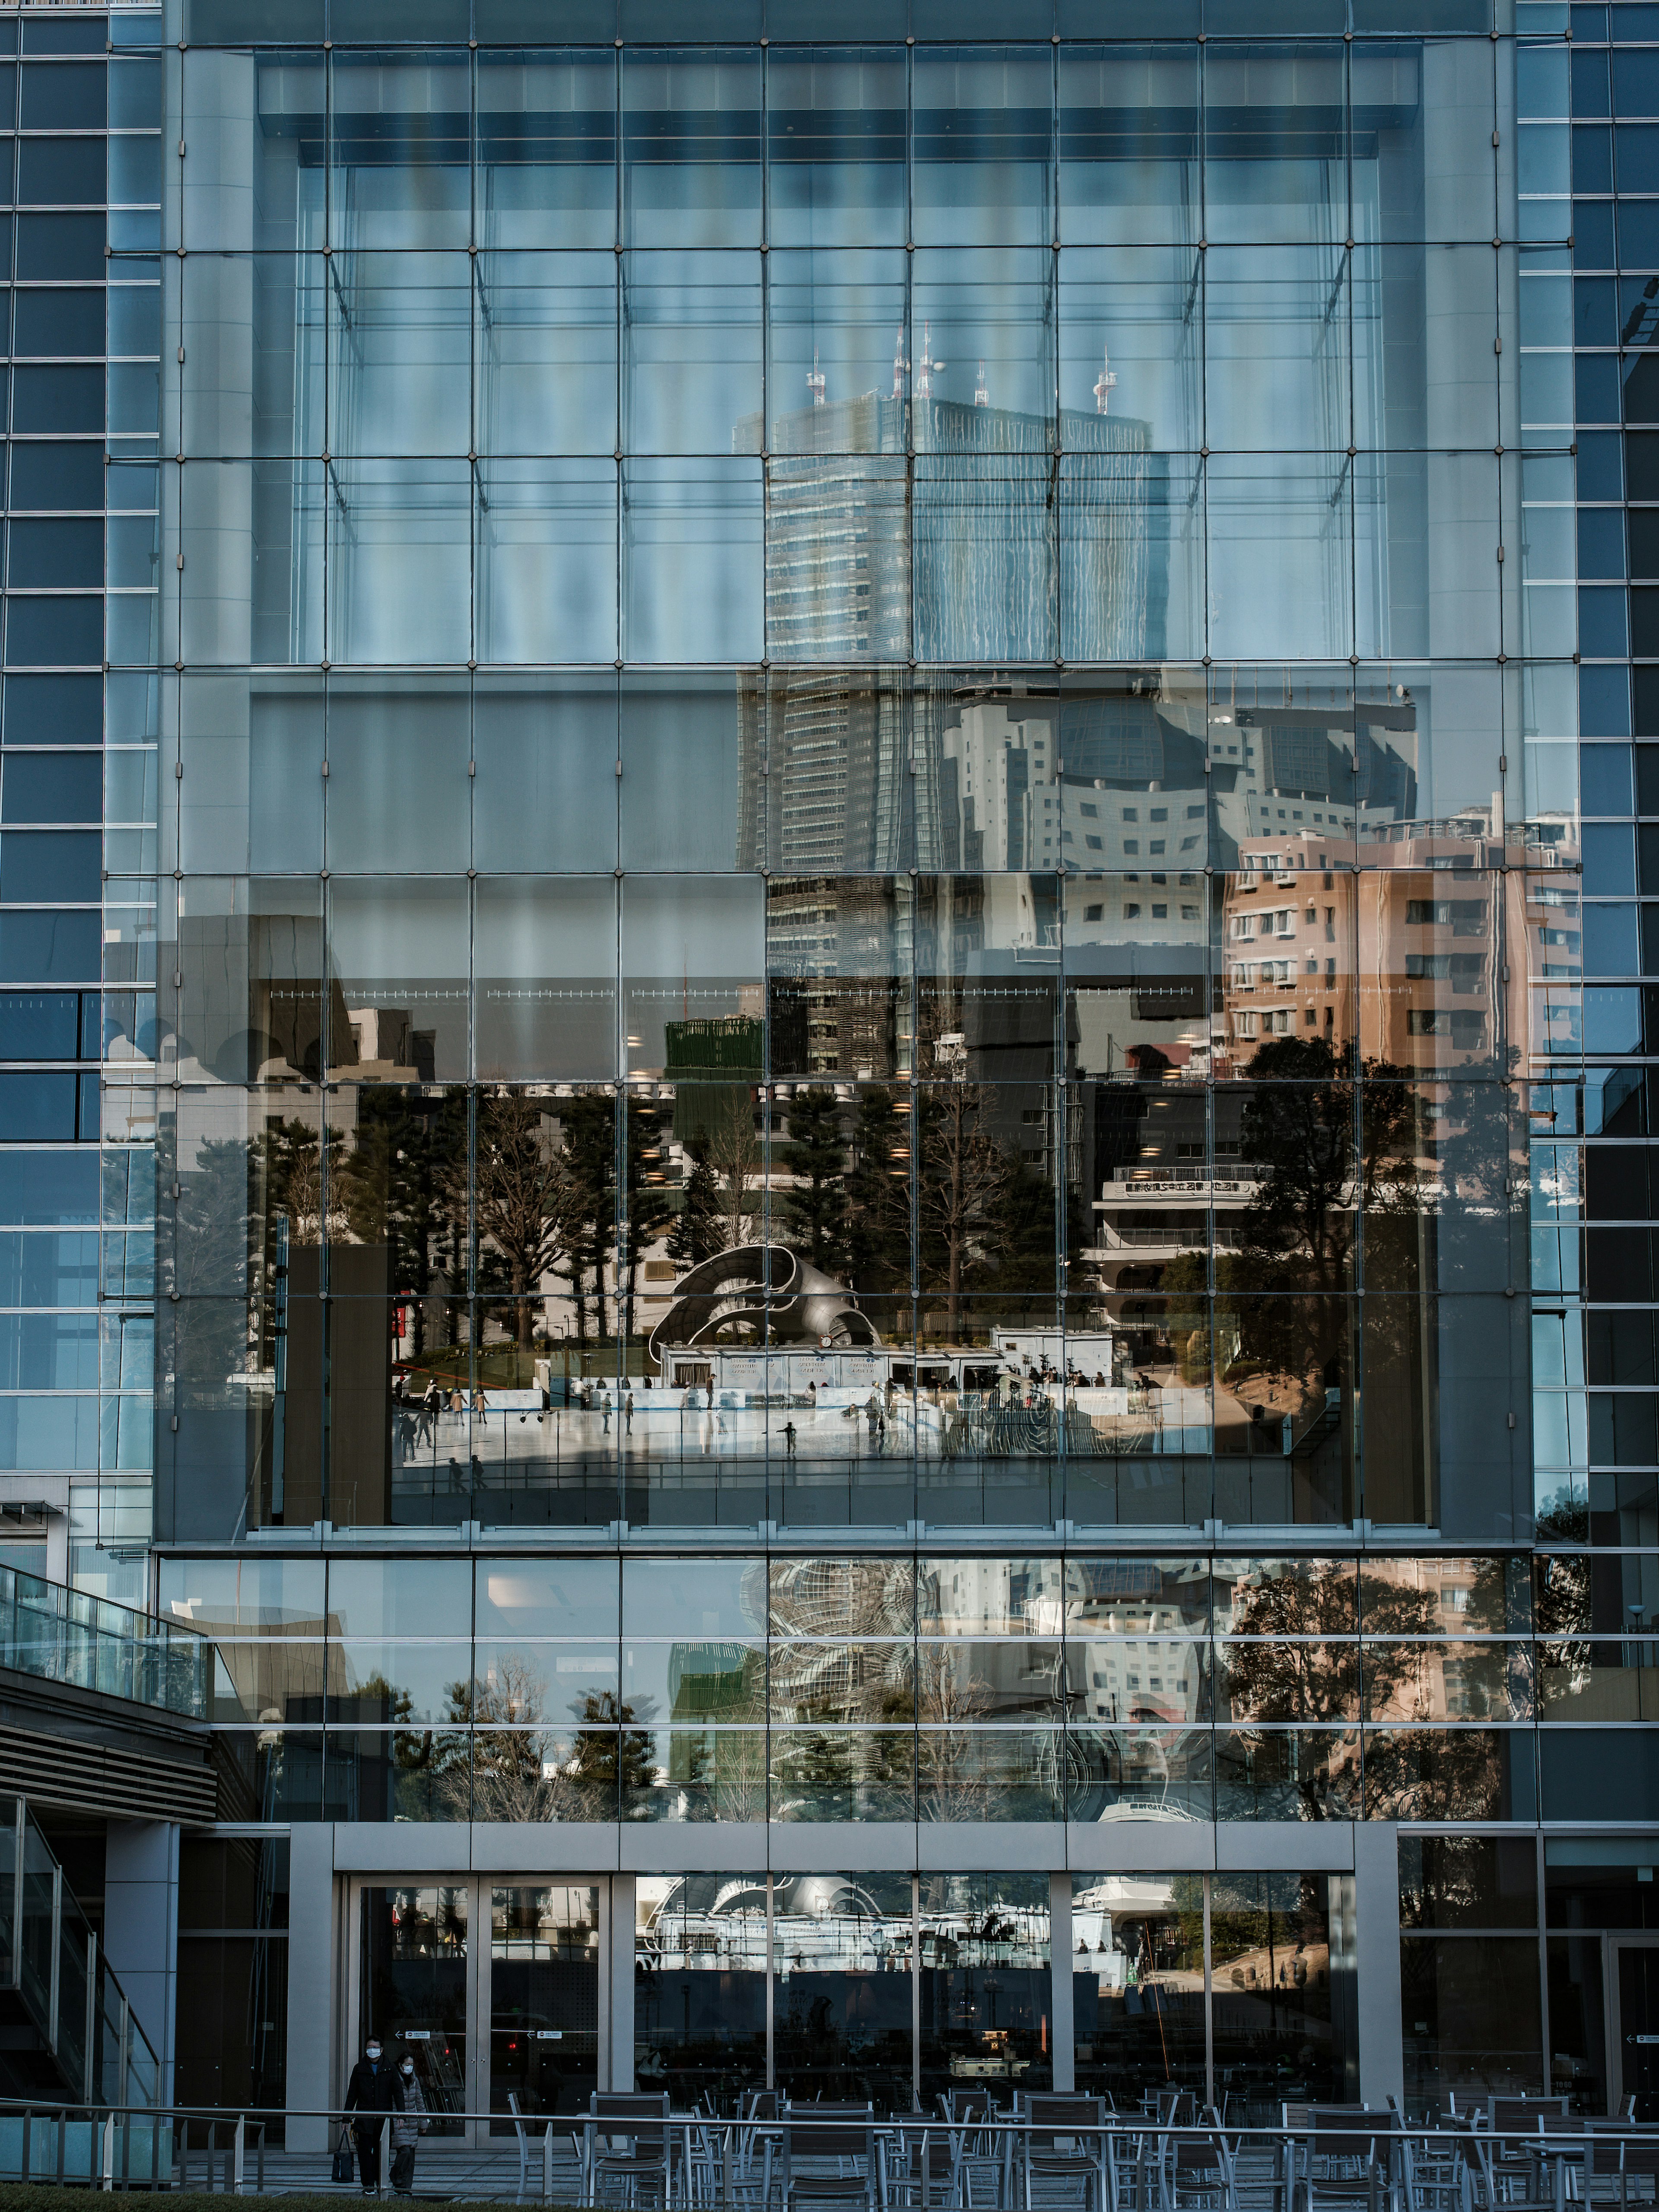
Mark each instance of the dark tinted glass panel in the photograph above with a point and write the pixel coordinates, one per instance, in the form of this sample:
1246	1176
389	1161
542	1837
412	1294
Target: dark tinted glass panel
1467	1881
69	96
39	1025
37	1109
58	865
54	709
60	172
49	632
41	555
56	474
296	21
60	322
49	948
58	399
51	787
59	248
61	37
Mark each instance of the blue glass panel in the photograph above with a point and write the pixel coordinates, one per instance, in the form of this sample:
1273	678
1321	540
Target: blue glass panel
49	948
1601	542
1601	475
691	148
835	137
1592	158
59	865
1603	631
39	1024
59	248
49	1188
1610	861
54	632
54	709
1635	82
1606	783
1590	94
1604	703
1638	234
1592	234
38	1108
1595	378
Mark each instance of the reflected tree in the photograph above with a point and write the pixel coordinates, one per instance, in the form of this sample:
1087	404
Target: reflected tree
696	1234
811	1207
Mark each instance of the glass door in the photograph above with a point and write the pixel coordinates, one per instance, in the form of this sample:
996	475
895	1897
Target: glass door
1636	1980
414	1988
543	1999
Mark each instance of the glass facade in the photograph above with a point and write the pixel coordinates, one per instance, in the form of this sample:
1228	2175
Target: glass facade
1089	566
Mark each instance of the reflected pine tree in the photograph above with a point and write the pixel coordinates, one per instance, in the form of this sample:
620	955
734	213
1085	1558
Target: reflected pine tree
696	1234
811	1209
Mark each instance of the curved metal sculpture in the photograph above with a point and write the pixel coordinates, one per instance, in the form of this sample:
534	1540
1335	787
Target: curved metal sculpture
761	1293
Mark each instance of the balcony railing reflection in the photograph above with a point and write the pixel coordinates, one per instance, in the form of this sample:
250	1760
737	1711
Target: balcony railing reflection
62	1635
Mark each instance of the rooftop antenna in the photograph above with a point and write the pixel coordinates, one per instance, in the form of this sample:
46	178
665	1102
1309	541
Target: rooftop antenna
981	390
1108	378
899	365
815	380
927	364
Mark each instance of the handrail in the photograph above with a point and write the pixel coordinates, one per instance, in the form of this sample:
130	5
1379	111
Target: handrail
103	2152
62	1635
51	1961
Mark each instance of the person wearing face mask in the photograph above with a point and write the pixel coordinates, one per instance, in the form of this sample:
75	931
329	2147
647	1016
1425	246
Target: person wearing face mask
407	2128
372	2093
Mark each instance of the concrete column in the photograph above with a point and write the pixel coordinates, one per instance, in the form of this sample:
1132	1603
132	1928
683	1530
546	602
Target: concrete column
1061	2030
1376	1960
315	1982
619	1986
141	1927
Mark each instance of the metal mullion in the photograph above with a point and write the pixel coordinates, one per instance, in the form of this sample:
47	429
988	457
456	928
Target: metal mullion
619	504
915	1989
1209	2009
771	1977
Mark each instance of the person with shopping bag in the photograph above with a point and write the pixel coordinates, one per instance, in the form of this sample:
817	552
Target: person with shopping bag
373	2093
408	2126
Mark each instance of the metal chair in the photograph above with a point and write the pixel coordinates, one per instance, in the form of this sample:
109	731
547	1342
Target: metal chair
825	2156
1201	2174
1619	2151
923	2166
1340	2162
626	2148
1057	2164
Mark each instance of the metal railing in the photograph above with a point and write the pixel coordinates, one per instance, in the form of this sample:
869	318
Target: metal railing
50	1960
1047	2149
62	1635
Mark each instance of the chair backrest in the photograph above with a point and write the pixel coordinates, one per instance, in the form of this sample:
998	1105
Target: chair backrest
518	2117
1345	2131
1201	2155
1640	2147
1053	2113
642	2114
811	2138
1521	2115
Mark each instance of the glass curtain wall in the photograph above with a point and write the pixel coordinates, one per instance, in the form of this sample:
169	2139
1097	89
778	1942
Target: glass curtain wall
889	1687
940	556
79	155
1592	1284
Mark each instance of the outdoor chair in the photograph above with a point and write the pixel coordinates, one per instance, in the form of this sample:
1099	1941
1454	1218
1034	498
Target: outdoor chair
1058	2165
626	2148
1625	2157
823	2163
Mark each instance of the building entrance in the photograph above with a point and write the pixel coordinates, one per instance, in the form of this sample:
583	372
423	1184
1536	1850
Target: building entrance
495	1991
1635	1995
